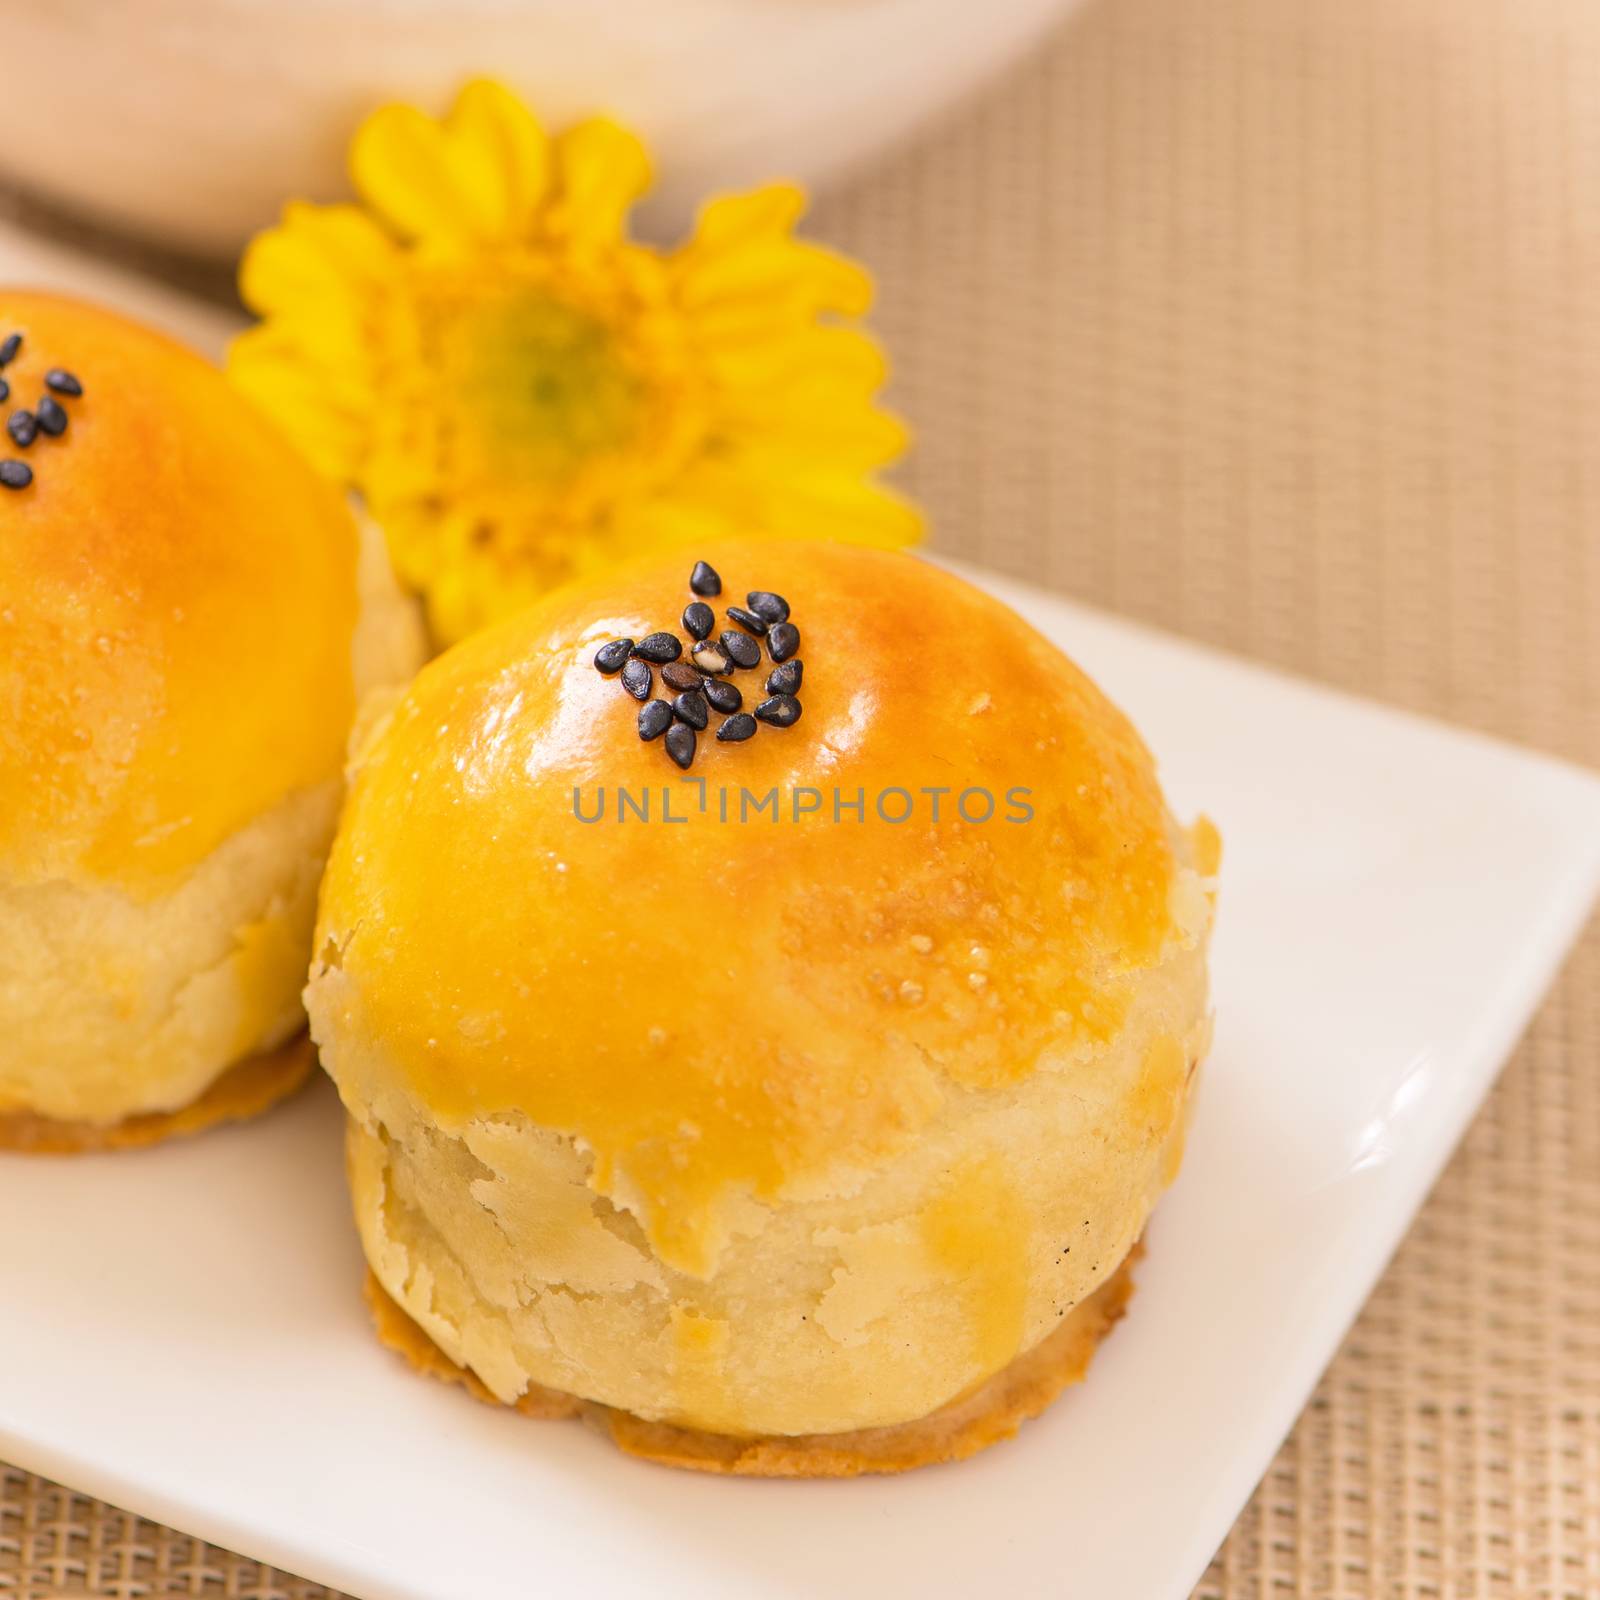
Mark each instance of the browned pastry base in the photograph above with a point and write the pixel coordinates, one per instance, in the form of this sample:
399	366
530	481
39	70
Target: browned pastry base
990	1413
244	1090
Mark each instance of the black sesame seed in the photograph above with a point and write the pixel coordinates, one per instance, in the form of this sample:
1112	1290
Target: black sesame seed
15	474
709	657
724	696
5	391
747	619
704	580
739	648
737	728
655	717
608	658
782	711
52	419
23	427
680	744
9	347
636	678
768	606
63	382
680	675
691	708
698	619
783	640
786	679
659	647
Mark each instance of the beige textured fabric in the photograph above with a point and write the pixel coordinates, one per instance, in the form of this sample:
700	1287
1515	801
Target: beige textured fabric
1277	323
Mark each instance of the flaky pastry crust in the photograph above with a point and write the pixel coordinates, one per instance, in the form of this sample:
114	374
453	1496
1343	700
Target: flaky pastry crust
246	1089
989	1414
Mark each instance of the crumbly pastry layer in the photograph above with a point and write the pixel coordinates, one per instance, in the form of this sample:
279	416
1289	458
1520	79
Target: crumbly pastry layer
990	1414
759	1127
245	1090
189	614
115	1006
864	1307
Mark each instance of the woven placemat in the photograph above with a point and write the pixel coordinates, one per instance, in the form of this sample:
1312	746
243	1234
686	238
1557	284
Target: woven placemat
1277	323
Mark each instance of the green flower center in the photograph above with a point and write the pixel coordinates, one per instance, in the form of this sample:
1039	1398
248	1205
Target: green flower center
547	390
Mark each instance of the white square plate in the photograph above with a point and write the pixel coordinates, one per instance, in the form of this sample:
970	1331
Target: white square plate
183	1332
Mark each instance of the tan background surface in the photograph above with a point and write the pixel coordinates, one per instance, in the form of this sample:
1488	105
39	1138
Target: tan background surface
1277	323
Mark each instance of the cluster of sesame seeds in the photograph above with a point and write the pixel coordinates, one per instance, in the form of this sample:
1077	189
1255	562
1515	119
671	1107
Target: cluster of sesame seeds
702	683
48	415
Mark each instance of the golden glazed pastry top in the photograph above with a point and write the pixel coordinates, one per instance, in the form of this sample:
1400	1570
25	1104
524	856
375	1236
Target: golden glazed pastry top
177	598
757	1003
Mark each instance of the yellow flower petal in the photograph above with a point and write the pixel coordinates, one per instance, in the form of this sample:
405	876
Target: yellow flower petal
316	254
413	539
420	181
744	249
764	359
794	437
736	218
849	508
812	394
521	393
492	129
780	275
329	332
604	169
326	353
666	521
293	396
480	175
809	503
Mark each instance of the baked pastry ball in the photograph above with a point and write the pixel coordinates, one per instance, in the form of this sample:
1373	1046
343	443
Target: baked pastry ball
794	1110
183	631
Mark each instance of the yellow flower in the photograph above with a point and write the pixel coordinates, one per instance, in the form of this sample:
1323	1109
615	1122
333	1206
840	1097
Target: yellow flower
520	392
